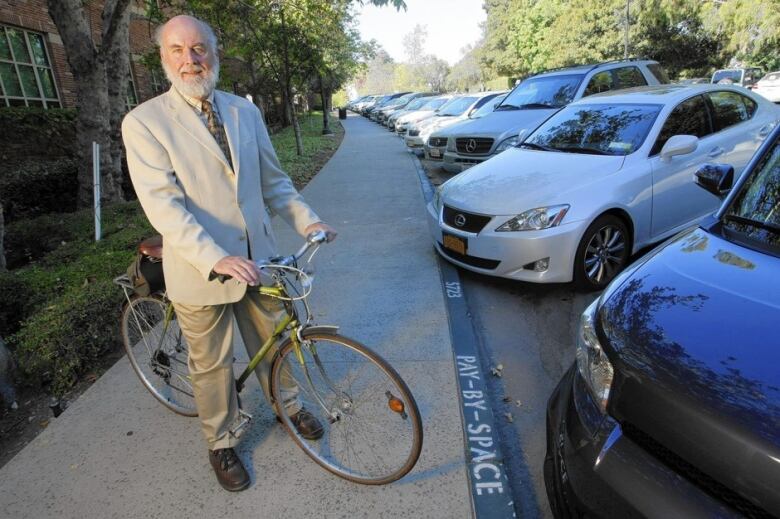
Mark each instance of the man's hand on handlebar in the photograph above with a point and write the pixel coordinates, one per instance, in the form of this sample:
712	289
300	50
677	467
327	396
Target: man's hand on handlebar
239	268
330	232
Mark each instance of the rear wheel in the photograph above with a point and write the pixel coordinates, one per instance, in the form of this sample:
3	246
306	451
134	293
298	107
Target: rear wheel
158	352
603	252
372	431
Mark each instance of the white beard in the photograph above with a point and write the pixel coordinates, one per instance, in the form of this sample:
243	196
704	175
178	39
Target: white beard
197	87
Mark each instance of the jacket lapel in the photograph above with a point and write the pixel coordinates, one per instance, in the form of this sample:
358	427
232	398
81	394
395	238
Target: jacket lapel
186	117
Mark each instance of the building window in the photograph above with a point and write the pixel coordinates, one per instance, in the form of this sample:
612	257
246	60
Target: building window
26	76
131	99
159	82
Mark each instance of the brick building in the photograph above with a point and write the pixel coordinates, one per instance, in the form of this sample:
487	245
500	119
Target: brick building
34	69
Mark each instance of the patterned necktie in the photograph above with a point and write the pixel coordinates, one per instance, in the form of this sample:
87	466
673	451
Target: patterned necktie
216	129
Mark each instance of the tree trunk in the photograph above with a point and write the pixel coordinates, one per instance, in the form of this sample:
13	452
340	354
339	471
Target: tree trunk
296	126
325	111
2	234
89	68
117	59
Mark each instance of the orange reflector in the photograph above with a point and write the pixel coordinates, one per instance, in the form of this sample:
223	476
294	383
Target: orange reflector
395	404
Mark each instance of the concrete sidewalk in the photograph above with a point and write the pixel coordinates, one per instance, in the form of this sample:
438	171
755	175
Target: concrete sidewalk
116	452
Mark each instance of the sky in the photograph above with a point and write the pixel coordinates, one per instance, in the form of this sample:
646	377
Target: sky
452	24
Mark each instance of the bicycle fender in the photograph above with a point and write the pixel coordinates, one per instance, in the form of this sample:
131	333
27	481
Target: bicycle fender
325	328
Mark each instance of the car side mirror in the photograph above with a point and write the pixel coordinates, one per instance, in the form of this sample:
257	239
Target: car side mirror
679	145
715	178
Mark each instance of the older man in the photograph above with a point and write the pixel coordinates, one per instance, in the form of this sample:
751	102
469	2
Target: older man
207	175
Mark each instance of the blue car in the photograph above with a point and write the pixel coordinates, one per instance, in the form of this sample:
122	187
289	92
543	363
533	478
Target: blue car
672	408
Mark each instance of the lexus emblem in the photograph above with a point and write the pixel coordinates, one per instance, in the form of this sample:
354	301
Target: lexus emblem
471	145
460	220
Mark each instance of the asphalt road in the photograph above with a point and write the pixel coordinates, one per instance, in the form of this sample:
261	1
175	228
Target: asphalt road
530	330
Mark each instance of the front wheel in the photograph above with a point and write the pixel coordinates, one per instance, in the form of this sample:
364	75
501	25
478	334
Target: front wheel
603	252
372	431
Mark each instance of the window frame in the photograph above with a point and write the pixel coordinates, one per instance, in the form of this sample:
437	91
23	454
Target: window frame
708	113
47	102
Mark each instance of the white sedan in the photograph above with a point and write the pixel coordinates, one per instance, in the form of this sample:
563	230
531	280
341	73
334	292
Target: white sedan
599	180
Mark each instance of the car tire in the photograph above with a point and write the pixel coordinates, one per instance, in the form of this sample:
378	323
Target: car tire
602	253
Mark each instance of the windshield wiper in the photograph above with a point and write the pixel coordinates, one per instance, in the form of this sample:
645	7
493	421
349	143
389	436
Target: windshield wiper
532	146
755	223
506	107
577	149
538	105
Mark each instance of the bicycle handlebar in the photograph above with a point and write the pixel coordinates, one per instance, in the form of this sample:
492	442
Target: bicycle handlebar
315	238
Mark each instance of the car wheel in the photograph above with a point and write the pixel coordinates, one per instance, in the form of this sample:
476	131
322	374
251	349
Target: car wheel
603	252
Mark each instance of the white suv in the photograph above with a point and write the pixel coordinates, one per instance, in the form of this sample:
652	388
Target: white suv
537	98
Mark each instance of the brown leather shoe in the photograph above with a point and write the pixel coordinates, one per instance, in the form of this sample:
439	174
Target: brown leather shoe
306	424
230	472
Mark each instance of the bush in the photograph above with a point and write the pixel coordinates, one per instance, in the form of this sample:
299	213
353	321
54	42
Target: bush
15	303
29	240
49	135
72	307
35	188
67	337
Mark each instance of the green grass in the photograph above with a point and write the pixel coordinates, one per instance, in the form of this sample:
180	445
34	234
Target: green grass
62	311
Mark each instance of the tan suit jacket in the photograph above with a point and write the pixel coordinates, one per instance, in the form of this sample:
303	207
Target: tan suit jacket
203	209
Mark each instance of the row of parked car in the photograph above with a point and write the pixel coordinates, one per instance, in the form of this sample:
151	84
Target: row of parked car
752	78
672	408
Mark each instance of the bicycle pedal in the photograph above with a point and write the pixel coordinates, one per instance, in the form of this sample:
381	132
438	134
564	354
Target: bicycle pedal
243	420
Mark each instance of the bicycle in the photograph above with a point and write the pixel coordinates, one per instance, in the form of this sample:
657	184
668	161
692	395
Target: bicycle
372	427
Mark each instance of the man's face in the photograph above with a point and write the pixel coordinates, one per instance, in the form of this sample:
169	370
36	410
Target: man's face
190	64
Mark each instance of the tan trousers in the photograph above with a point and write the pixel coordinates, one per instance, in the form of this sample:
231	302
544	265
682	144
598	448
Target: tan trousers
209	334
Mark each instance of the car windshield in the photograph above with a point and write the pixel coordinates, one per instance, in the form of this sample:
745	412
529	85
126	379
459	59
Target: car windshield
755	212
487	107
596	129
771	77
435	103
542	92
732	76
457	106
416	103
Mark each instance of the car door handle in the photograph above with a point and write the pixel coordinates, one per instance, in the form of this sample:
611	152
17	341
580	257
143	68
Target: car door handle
715	152
763	132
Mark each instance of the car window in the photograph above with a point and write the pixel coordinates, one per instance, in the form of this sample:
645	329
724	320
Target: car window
601	82
730	108
628	77
690	117
597	129
542	92
729	77
659	73
457	106
435	103
755	211
487	107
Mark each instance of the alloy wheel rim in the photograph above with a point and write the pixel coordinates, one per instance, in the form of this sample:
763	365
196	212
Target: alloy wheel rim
605	253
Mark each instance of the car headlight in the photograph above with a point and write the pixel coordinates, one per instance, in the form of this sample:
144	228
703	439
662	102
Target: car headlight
592	362
536	219
511	142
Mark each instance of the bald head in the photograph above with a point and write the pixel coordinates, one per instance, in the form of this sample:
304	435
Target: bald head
188	52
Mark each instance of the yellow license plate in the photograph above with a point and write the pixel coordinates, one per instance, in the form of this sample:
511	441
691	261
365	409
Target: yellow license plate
454	243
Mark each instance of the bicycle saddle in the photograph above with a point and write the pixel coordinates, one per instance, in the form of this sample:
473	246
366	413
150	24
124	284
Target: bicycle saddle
152	247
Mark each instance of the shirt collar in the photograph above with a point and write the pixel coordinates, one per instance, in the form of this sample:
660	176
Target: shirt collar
197	104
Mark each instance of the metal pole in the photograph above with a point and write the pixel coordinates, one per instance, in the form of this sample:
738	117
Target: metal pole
96	186
625	51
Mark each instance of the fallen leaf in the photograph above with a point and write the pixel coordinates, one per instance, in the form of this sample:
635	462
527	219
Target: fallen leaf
43	423
518	403
509	417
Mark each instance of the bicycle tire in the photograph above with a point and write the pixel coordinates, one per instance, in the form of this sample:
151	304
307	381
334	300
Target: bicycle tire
167	376
384	432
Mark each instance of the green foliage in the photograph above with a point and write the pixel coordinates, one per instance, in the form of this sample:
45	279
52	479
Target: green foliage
688	37
51	133
34	188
